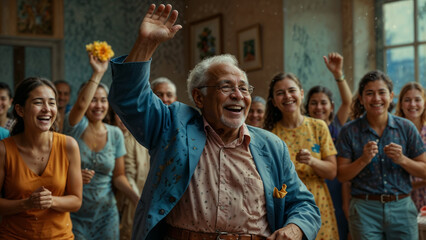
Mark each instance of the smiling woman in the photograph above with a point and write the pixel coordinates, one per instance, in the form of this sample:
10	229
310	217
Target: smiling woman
378	152
40	174
102	150
309	142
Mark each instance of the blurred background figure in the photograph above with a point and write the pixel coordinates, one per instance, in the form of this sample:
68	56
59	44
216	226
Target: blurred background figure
165	89
64	94
320	104
40	176
101	150
411	105
256	113
6	120
136	163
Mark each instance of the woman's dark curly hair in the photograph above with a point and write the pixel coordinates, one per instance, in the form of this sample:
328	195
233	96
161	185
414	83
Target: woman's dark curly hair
357	108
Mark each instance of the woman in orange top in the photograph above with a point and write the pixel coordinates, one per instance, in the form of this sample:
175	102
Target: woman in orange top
40	175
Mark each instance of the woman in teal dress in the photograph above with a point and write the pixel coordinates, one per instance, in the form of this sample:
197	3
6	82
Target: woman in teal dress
102	150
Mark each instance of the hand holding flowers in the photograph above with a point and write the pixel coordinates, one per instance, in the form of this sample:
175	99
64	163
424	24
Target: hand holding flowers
101	50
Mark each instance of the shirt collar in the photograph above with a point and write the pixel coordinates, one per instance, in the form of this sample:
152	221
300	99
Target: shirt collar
365	126
391	121
243	136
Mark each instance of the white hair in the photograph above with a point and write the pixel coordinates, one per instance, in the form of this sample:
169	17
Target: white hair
161	80
198	77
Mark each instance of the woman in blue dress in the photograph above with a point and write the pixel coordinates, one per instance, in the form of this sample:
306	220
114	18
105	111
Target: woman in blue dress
320	104
102	150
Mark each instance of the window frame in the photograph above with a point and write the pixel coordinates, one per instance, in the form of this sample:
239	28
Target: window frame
380	38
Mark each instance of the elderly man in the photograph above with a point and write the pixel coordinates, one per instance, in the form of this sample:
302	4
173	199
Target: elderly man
165	89
211	176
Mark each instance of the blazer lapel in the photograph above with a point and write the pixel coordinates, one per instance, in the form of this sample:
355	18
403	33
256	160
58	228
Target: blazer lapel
263	161
196	142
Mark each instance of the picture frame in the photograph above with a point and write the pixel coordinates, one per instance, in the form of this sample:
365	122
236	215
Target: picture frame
29	19
249	48
205	38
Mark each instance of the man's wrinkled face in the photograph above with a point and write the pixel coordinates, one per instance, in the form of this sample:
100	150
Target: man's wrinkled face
225	111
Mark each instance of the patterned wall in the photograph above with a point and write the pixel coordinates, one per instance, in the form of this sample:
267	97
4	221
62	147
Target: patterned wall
38	62
117	23
6	65
238	15
312	29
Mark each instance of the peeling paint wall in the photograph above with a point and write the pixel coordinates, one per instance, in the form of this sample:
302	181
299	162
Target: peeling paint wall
312	29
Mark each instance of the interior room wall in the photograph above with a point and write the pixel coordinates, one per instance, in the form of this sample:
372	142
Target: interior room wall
6	65
312	29
364	41
116	22
295	34
237	15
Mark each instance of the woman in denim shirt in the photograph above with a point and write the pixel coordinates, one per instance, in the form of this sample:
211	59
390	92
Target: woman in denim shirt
378	152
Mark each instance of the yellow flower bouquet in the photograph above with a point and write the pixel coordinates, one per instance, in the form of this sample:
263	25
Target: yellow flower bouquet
101	50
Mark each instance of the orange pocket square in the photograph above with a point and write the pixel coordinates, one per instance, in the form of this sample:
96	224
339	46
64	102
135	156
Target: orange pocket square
281	193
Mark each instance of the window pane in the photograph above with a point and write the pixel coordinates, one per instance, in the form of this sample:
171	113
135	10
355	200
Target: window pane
422	65
400	66
399	24
421	20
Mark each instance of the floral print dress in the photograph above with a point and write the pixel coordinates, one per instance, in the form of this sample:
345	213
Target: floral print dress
313	134
98	216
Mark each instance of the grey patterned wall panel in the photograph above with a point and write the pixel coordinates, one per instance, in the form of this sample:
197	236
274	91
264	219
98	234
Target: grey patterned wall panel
309	30
38	62
6	65
116	22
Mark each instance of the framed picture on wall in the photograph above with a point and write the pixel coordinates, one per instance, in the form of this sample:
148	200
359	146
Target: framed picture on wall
32	19
249	48
205	38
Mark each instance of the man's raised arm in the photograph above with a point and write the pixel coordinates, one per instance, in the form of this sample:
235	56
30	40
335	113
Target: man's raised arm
156	27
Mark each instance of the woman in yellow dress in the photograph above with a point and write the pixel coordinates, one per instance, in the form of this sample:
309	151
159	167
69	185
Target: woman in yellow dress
309	142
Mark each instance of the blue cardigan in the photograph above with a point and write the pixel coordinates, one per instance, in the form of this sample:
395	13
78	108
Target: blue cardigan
175	138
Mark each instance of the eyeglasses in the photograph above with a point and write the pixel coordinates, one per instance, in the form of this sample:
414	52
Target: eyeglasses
245	90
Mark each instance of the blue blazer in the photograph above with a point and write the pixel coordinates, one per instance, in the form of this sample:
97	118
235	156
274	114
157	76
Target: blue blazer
175	138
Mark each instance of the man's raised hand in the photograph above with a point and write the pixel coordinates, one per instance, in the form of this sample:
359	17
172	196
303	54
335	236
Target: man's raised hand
157	26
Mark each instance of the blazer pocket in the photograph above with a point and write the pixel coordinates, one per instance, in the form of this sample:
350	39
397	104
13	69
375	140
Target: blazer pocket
281	193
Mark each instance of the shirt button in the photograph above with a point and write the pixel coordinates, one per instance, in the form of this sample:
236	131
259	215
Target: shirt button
172	199
386	182
161	211
383	160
